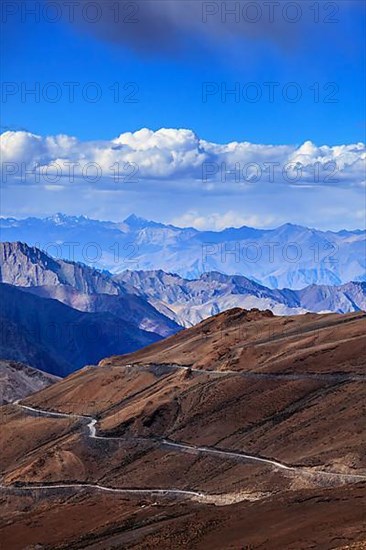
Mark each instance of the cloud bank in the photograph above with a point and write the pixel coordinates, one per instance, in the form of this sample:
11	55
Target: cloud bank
175	157
174	176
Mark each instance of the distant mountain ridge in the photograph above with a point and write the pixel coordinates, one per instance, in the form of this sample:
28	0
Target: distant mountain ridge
290	256
58	316
161	302
28	266
190	301
79	286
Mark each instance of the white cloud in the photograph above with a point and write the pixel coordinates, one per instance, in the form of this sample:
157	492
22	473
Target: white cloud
175	156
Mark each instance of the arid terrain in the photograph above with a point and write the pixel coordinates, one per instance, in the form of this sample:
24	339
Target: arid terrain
246	431
18	380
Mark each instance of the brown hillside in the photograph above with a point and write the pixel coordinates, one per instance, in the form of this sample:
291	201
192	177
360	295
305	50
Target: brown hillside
206	411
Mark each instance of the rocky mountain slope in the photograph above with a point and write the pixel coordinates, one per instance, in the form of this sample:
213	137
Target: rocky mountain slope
58	339
190	301
78	286
245	429
289	256
258	341
18	381
22	265
162	302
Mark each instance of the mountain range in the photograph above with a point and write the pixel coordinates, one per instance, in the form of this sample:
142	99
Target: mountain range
58	316
289	256
158	302
78	286
189	301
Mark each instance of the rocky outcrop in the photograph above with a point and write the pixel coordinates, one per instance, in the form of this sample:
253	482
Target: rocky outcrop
18	381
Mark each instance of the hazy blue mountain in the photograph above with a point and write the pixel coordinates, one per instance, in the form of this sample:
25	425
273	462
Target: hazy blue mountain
340	299
58	339
289	256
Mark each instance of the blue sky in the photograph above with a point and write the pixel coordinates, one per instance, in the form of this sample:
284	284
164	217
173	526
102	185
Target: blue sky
170	85
166	66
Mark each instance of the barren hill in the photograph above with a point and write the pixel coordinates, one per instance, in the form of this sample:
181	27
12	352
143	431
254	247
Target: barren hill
245	430
18	380
259	341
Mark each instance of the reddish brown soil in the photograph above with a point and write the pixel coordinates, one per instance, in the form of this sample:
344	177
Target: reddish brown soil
325	519
260	342
312	422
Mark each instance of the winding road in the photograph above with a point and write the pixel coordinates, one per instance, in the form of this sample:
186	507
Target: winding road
166	442
161	492
324	377
92	433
